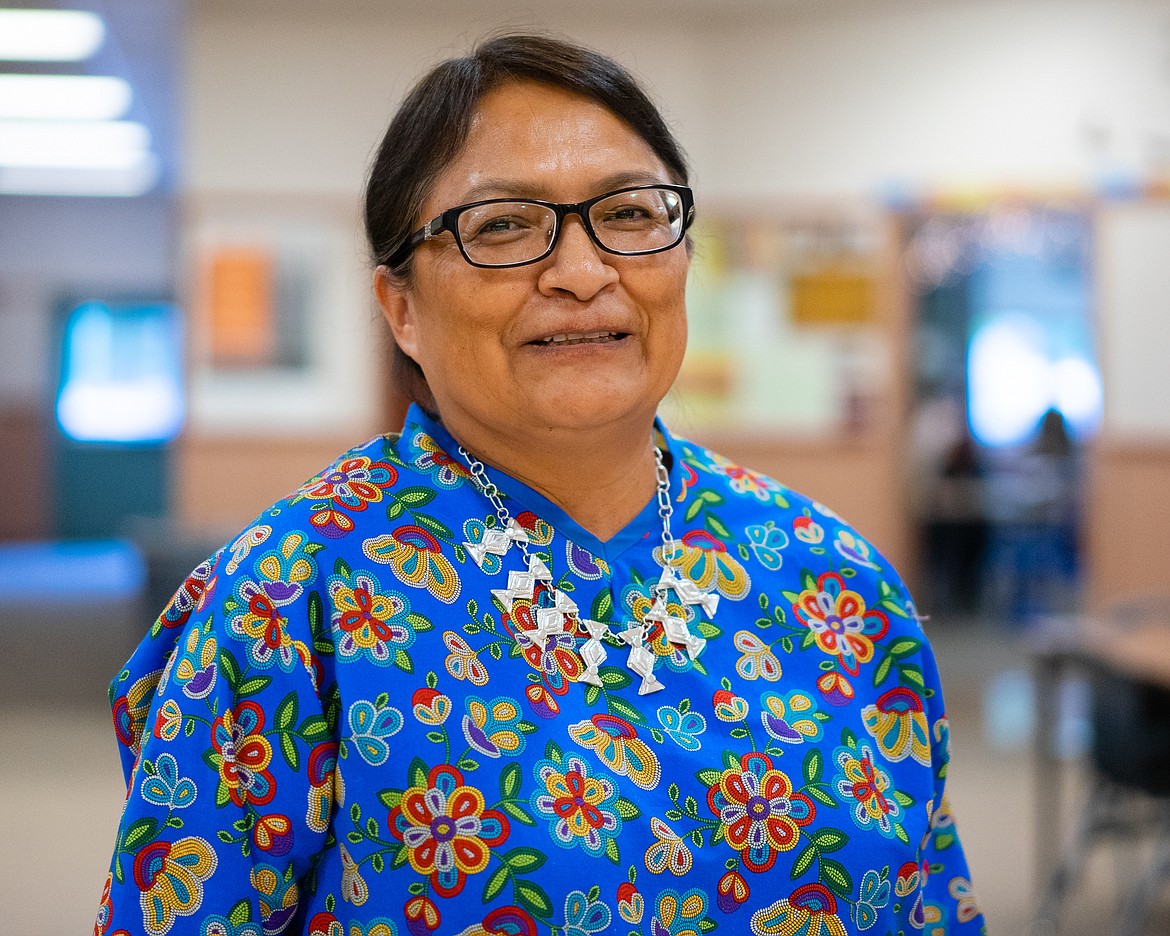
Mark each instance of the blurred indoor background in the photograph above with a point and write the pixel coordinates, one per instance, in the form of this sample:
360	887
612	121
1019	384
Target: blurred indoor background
931	288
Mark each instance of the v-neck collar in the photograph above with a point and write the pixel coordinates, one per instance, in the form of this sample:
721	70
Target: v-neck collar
645	527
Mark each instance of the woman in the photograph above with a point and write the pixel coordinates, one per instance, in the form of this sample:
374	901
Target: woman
534	665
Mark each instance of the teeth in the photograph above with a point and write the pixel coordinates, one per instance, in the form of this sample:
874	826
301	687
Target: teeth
579	338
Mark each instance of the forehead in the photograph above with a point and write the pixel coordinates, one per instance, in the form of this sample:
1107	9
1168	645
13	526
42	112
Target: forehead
539	141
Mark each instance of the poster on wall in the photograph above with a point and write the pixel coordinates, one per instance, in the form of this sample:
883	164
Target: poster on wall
284	336
785	331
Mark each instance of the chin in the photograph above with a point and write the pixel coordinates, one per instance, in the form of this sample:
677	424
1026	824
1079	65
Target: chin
596	410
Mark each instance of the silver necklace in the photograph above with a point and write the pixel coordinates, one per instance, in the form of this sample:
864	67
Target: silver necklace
560	615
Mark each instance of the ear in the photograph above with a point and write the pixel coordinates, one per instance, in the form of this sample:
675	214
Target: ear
398	309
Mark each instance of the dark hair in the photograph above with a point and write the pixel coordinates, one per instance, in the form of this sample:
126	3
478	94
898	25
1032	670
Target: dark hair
431	126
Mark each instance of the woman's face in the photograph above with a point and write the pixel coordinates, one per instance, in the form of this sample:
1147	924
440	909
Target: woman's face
481	335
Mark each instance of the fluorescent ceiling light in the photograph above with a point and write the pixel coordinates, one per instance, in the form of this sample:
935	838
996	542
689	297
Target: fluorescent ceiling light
88	144
63	97
128	182
49	35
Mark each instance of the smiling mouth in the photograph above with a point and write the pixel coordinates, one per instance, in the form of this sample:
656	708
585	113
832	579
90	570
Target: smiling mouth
596	337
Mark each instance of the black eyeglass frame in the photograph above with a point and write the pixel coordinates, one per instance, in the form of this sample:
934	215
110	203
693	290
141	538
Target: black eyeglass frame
446	222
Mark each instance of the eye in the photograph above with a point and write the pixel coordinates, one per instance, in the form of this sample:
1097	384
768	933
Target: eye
500	226
627	213
500	222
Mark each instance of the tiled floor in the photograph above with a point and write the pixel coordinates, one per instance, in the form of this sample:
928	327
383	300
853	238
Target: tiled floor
61	793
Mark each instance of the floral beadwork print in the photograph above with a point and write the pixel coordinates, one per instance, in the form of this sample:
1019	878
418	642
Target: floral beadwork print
336	728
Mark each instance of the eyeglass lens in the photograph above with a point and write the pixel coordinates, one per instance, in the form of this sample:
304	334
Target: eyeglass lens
629	222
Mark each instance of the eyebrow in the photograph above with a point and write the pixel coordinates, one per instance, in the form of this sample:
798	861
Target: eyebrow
516	188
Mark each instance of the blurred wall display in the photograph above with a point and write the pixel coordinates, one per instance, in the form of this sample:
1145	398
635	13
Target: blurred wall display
122	377
785	329
284	337
240	312
119	406
1007	391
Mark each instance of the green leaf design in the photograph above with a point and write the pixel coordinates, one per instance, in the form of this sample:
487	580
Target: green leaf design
377	862
829	840
883	670
611	851
229	667
614	678
533	899
288	749
286	712
341	567
390	798
813	766
433	526
314	728
708	777
415	496
602	608
511	778
620	707
592	694
523	860
912	674
496	883
417	773
693	510
241	913
253	685
835	877
627	809
142	830
394	510
804	861
517	812
906	646
717	526
403	661
820	794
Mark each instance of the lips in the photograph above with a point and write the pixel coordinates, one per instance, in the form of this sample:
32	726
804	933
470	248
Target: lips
575	338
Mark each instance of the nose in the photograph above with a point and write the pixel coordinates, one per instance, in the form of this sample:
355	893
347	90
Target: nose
578	265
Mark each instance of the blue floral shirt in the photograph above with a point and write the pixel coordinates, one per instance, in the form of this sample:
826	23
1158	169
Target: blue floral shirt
336	728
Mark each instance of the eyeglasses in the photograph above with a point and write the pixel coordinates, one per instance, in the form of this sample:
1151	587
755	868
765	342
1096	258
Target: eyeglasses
506	232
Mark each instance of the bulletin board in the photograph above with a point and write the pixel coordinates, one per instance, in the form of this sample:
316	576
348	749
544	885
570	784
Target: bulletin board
785	314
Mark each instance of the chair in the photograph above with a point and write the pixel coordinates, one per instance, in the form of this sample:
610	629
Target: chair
1129	787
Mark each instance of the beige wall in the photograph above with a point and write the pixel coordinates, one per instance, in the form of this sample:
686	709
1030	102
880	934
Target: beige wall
1129	516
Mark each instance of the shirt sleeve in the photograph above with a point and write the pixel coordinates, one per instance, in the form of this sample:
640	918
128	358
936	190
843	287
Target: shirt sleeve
947	904
228	747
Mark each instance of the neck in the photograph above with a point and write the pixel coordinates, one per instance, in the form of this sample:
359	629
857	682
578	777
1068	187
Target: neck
602	479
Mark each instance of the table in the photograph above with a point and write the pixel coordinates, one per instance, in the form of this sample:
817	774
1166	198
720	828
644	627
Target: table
1134	643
